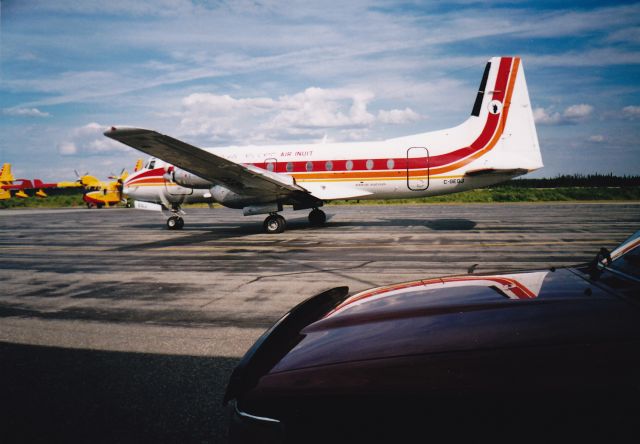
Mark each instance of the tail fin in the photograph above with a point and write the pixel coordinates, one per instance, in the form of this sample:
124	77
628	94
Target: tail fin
504	96
5	173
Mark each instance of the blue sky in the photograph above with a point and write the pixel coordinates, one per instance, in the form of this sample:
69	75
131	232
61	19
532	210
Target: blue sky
259	72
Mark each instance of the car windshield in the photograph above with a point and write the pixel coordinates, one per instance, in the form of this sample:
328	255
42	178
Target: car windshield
626	258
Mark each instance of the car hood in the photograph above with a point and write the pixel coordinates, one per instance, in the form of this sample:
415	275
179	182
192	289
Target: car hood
452	314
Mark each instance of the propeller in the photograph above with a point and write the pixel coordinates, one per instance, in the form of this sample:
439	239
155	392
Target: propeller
120	179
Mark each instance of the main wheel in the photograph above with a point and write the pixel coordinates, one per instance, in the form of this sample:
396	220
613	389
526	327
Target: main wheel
317	217
175	223
274	224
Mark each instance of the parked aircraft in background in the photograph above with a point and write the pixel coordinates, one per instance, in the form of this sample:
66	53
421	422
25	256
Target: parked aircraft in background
496	143
98	193
107	194
20	187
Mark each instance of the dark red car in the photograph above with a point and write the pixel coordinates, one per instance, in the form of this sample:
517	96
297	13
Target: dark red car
549	354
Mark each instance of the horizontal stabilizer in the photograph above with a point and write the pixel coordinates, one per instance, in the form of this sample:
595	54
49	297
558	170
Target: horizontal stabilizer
496	171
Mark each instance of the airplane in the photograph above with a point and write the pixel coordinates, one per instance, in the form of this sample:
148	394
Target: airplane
8	183
98	193
496	143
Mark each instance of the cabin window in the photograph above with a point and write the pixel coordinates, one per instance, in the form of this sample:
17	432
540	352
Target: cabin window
270	166
328	166
289	167
349	165
309	166
369	164
390	164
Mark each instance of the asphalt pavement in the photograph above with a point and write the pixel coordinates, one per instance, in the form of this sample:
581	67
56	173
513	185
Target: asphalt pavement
115	329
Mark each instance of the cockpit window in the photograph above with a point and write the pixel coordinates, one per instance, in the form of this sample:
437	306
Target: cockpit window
152	164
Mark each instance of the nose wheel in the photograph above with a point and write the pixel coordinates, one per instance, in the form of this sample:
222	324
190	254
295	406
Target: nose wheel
175	223
274	224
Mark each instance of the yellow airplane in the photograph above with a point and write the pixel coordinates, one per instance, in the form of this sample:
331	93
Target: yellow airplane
98	193
8	183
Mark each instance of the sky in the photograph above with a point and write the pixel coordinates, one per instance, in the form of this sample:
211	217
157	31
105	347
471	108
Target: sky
219	73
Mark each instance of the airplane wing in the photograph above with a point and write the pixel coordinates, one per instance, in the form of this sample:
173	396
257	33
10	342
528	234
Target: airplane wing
242	179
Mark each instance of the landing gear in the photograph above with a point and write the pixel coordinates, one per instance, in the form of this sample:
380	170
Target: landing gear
274	224
317	218
175	223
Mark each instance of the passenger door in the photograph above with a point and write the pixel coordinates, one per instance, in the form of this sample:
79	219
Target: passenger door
417	168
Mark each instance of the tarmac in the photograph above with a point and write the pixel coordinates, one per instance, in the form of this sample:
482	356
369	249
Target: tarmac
115	329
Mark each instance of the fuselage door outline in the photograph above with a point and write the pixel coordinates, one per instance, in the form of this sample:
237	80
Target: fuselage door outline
418	168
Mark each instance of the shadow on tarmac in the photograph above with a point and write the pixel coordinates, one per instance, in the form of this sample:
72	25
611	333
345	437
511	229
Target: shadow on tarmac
66	395
225	231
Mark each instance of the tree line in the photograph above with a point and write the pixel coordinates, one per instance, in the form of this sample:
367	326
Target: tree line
574	180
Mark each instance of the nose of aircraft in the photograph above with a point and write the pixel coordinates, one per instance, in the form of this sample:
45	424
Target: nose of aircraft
126	185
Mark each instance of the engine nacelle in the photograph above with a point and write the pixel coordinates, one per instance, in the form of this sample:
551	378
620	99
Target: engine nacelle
229	198
186	179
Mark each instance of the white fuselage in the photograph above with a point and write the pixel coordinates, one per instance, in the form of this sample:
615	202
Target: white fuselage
496	143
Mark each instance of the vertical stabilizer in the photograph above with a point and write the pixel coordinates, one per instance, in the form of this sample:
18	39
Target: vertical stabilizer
5	173
503	98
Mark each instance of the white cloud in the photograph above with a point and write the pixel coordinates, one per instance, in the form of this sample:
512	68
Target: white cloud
546	117
577	112
597	138
67	148
631	112
89	139
307	114
323	108
121	7
398	116
571	115
25	112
